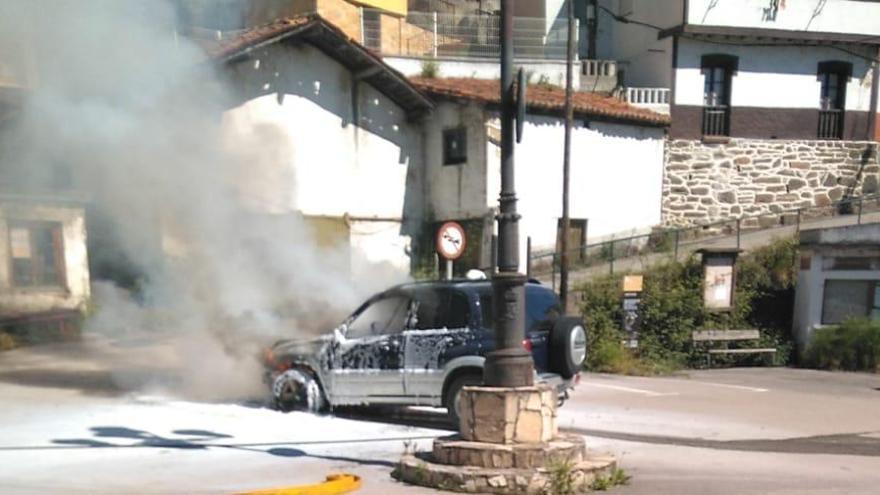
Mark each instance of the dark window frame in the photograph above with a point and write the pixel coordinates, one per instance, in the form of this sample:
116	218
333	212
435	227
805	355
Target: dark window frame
36	271
455	155
832	114
872	287
716	117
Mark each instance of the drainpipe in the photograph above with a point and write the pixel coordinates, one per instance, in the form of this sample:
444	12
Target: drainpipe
875	89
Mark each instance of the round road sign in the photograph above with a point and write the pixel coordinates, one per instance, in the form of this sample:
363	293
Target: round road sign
450	241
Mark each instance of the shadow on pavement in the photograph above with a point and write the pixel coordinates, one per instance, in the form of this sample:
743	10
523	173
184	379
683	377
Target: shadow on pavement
419	418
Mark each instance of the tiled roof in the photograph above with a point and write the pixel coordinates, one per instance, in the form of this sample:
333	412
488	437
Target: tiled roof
228	47
312	29
549	99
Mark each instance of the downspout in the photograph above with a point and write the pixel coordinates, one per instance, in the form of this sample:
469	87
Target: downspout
875	89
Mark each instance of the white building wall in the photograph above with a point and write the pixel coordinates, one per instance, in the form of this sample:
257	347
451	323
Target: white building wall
832	16
553	71
616	179
810	292
339	154
771	77
456	191
76	263
646	60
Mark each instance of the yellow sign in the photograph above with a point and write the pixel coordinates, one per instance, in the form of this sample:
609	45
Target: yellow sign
397	7
632	283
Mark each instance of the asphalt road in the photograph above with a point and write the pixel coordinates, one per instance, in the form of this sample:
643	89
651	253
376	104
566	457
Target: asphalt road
67	424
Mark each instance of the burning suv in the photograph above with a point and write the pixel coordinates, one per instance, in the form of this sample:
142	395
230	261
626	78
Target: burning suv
419	344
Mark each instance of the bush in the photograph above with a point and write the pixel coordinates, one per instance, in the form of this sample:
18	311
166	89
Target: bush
430	69
672	308
853	345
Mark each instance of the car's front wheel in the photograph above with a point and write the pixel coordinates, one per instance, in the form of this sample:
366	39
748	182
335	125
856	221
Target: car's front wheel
298	390
452	397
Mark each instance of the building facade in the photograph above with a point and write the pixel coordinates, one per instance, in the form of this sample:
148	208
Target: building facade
616	166
773	104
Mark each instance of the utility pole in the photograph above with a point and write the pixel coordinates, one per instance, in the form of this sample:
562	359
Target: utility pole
592	28
509	365
566	160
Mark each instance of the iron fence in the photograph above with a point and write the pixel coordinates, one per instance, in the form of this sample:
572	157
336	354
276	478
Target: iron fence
715	121
635	253
433	34
830	124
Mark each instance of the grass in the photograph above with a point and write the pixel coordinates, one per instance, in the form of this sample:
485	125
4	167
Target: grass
854	345
610	356
618	477
561	479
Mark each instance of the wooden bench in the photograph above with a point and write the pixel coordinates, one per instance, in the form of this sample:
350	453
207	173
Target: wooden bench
725	336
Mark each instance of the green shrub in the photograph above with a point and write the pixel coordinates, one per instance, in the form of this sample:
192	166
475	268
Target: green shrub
853	345
672	308
7	342
430	69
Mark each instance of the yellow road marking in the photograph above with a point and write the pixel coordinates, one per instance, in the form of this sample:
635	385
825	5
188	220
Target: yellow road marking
334	485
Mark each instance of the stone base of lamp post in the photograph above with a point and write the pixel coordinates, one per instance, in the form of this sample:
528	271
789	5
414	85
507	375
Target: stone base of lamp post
507	443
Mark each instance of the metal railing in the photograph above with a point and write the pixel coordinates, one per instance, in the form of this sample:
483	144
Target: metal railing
715	121
646	96
433	34
638	252
600	68
830	124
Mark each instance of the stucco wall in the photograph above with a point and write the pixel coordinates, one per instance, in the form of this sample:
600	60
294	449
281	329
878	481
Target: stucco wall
771	77
834	16
76	264
710	182
339	149
646	60
553	71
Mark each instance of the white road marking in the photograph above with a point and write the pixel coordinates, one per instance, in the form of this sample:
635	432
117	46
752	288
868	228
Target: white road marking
713	384
647	393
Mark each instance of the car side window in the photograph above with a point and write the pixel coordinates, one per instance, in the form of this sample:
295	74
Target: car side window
542	307
383	317
441	308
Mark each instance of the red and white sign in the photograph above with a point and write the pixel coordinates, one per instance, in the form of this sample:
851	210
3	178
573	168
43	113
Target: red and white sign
451	241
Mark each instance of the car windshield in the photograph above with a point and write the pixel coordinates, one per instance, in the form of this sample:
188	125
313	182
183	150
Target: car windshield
381	317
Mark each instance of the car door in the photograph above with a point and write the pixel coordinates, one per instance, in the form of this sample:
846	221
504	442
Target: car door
439	331
369	355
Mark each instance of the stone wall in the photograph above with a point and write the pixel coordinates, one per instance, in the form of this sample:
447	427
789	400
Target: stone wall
706	182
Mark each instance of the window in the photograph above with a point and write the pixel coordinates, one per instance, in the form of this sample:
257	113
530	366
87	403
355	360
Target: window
441	309
833	77
381	317
372	26
844	299
542	308
454	146
718	73
36	251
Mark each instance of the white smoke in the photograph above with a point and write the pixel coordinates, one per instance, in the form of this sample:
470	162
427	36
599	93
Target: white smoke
136	113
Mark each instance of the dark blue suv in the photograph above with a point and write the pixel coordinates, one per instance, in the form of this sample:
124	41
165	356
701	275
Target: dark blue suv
419	344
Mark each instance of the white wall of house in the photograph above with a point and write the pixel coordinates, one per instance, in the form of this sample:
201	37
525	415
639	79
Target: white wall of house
771	77
552	70
76	291
833	16
335	158
810	293
646	60
616	179
456	191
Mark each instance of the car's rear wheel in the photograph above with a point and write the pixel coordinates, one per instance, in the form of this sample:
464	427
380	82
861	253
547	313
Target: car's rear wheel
298	390
568	346
452	397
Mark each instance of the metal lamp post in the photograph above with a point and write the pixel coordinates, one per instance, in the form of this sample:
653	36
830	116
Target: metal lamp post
509	365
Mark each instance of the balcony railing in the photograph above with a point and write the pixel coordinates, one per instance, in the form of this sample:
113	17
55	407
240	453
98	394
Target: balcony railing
716	121
432	34
656	99
830	124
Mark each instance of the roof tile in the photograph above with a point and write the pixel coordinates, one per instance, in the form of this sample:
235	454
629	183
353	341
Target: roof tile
540	97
